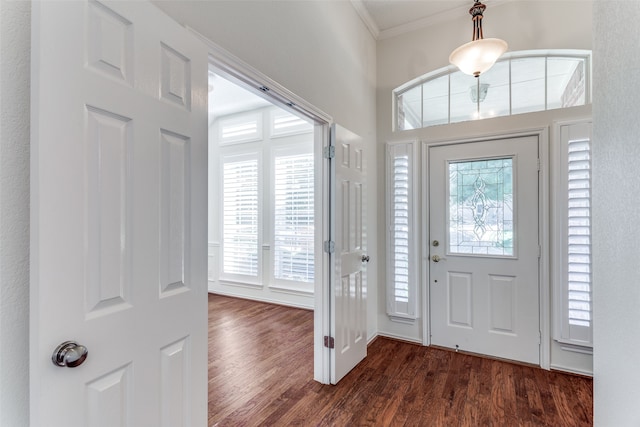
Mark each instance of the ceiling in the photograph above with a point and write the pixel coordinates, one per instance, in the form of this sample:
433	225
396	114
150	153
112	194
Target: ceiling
226	97
388	18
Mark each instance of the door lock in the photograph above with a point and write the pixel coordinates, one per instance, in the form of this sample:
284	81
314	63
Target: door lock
436	243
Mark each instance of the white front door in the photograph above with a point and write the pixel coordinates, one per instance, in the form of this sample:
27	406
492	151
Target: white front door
118	217
484	290
349	290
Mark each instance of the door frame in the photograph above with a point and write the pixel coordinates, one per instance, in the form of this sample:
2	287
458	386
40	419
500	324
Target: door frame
230	66
542	134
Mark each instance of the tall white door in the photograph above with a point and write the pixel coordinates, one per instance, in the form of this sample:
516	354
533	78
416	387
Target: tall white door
118	217
349	290
483	199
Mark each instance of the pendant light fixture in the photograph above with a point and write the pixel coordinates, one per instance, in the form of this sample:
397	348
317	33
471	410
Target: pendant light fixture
477	56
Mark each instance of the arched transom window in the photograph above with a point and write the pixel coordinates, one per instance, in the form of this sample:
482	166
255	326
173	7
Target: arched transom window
521	82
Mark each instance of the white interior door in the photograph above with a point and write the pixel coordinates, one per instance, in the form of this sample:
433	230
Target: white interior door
483	199
118	216
349	290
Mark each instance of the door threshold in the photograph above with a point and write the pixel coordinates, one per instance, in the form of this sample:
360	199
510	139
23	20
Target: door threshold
486	356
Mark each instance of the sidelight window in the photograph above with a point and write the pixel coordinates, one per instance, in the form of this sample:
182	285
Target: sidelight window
402	232
572	231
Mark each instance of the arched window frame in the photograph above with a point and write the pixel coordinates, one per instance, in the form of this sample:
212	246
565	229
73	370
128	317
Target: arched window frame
398	93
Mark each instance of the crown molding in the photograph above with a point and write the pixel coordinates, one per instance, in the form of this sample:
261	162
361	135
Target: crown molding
364	14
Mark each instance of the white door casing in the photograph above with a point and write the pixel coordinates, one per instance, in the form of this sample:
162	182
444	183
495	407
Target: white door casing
485	303
349	288
118	216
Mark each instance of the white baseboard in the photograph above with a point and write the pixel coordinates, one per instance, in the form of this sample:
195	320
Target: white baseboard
267	300
571	370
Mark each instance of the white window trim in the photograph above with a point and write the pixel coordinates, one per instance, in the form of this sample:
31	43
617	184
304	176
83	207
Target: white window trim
411	313
562	331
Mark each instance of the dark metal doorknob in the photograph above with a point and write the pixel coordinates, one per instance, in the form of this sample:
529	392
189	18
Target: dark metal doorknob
365	258
69	354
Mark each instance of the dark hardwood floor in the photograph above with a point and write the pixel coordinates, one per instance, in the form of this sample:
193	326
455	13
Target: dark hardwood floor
261	373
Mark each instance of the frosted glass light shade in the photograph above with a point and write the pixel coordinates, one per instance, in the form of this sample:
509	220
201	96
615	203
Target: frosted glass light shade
476	57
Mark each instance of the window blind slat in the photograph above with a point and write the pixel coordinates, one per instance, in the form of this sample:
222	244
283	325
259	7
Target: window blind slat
400	228
579	232
240	217
294	218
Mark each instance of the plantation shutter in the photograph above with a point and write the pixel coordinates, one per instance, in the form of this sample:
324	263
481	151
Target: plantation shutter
576	277
240	217
401	265
294	218
579	233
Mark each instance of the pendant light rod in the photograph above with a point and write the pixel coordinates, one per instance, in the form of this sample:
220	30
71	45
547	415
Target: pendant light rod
476	16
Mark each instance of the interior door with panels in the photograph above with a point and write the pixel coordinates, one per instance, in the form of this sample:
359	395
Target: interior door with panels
484	250
349	291
118	214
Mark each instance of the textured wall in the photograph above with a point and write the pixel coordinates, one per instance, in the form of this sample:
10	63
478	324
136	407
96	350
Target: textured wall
616	213
15	26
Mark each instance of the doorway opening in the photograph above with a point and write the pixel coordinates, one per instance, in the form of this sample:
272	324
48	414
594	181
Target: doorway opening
262	198
265	236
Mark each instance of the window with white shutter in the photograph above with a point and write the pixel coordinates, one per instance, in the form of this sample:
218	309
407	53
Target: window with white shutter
573	234
293	217
240	216
266	214
402	233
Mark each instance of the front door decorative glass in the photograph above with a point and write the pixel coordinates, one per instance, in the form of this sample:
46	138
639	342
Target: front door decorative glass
481	207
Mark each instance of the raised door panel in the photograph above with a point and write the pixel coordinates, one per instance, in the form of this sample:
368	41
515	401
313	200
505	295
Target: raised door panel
108	216
174	213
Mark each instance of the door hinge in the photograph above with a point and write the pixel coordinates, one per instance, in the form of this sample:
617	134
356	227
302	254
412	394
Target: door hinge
329	152
329	246
329	342
539	251
539	337
538	165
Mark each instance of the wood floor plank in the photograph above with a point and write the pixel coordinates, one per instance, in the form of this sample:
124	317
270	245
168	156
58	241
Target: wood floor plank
261	374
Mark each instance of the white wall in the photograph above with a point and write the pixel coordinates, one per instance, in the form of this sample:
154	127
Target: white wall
321	51
525	26
15	18
616	213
